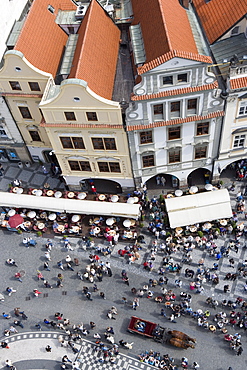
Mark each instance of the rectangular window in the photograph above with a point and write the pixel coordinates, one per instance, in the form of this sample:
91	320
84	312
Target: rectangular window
104	143
148	160
15	85
146	137
34	135
70	116
72	142
25	112
168	80
3	132
202	128
158	112
192	106
34	86
243	109
183	77
92	116
109	167
174	133
201	151
80	166
174	155
175	109
239	141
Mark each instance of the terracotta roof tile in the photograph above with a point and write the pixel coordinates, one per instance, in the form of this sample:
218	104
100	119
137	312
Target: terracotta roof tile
96	54
185	90
175	121
41	40
218	16
165	28
172	54
238	83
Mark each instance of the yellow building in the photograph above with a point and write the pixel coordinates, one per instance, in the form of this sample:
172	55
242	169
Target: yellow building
58	83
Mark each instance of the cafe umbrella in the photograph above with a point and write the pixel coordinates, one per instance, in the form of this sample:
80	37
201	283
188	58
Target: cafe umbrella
15	221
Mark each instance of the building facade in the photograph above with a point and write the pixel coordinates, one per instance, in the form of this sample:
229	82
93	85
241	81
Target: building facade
174	120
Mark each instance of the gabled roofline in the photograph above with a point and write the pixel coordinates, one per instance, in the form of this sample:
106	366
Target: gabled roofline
172	54
233	25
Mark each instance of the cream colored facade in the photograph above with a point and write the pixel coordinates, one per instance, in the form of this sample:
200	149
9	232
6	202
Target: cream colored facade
86	134
22	85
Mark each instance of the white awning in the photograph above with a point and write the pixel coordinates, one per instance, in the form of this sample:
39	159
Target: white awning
86	207
197	208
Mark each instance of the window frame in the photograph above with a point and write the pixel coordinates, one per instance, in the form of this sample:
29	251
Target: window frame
146	137
21	110
180	80
202	128
109	167
237	140
92	116
200	150
32	85
192	111
72	140
172	111
171	77
80	165
243	105
105	143
173	154
34	132
149	159
15	85
158	112
70	116
174	129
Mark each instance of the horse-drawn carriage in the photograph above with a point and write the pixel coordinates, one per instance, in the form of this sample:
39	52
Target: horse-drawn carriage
159	334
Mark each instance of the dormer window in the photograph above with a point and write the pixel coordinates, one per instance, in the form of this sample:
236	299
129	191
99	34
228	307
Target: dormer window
51	9
235	31
183	77
176	79
168	80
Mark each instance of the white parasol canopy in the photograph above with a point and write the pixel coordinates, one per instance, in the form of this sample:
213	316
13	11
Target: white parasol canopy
131	200
209	187
193	189
11	212
81	195
58	194
38	193
115	198
179	193
31	214
127	223
75	218
19	191
110	221
52	216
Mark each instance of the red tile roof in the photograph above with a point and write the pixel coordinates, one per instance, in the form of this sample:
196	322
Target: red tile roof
185	90
238	83
96	53
218	16
41	40
165	29
175	121
172	54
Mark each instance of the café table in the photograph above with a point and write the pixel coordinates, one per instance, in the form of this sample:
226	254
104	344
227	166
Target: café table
43	215
41	225
61	228
193	228
169	196
128	234
179	230
75	229
102	197
223	222
82	195
96	220
96	230
34	191
71	194
132	222
27	223
49	193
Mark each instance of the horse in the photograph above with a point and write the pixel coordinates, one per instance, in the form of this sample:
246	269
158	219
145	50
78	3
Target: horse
180	343
180	335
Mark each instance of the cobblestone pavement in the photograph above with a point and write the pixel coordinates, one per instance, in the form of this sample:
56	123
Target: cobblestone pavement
27	348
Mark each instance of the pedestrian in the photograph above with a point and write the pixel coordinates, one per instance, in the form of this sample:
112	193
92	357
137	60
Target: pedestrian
239	351
39	275
6	315
10	290
163	181
48	256
60	265
46	266
4	345
48	348
158	180
102	295
36	292
66	359
196	365
38	326
226	289
18	276
47	284
18	323
92	324
88	296
178	283
73	347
